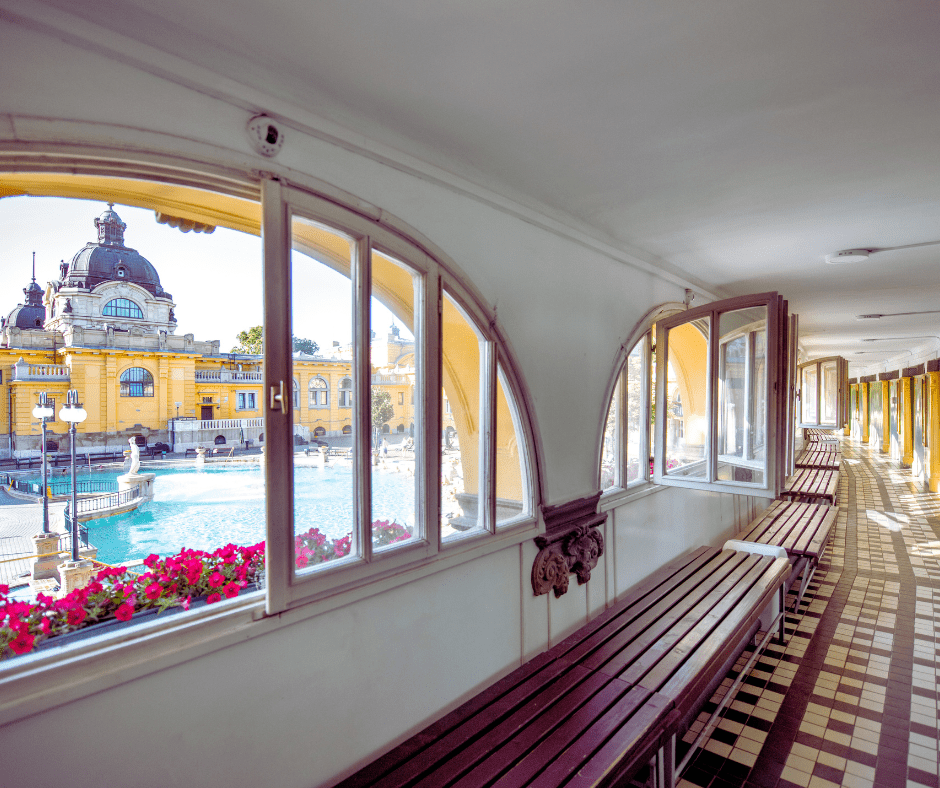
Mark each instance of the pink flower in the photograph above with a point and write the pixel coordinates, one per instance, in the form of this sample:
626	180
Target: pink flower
124	612
22	643
151	560
185	603
230	590
301	561
213	598
44	625
75	616
153	591
216	579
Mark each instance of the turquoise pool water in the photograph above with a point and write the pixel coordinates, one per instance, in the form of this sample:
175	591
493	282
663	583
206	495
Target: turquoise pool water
208	508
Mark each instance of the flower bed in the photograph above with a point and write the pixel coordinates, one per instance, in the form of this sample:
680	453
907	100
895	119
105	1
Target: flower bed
171	582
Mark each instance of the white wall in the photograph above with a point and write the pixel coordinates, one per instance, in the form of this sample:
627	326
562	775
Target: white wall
302	705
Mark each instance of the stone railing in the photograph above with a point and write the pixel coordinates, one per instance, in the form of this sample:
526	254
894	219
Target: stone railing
228	376
23	371
194	425
392	380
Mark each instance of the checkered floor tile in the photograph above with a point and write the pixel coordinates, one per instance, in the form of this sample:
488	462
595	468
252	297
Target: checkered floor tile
852	698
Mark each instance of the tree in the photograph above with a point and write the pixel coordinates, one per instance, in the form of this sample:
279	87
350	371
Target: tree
251	341
382	411
305	345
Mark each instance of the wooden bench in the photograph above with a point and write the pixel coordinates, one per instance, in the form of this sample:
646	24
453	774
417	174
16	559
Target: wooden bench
597	707
812	484
802	529
820	458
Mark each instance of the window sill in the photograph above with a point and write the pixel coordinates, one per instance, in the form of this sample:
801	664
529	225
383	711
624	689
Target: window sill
619	496
53	676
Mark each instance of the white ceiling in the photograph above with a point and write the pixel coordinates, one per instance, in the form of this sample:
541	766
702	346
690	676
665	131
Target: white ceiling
741	141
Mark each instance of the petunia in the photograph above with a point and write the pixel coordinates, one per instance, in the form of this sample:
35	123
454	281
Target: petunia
75	616
22	643
153	591
231	589
124	612
216	579
213	598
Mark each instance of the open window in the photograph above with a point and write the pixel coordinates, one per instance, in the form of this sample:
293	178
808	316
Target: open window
824	392
721	413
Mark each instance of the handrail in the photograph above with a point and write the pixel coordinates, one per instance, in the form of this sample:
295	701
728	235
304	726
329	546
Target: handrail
112	501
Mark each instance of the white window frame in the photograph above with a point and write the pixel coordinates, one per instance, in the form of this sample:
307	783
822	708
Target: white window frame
45	679
775	426
246	400
317	393
842	384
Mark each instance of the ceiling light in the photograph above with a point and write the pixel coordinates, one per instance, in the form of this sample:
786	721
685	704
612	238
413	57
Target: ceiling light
847	256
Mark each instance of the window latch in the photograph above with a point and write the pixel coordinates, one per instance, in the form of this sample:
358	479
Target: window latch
277	401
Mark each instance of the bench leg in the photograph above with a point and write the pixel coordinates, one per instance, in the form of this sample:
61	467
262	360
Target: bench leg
666	764
783	615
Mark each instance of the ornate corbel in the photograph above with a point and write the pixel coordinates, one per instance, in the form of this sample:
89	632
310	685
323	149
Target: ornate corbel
571	543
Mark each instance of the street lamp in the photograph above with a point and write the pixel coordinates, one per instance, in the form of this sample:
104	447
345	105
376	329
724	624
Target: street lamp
44	411
73	413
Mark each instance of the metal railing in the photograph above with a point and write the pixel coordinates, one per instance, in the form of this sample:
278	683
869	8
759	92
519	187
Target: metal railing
65	541
113	501
62	486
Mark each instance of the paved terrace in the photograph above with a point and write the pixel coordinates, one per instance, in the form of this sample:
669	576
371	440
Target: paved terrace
19	520
852	698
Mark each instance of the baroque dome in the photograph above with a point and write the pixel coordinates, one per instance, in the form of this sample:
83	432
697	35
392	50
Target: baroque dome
109	260
32	314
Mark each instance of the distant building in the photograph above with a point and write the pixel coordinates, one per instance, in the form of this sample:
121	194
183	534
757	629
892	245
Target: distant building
107	328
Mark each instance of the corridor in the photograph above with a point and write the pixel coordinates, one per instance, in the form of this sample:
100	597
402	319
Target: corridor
852	699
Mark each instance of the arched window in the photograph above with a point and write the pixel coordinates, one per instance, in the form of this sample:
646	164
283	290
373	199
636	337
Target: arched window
319	393
136	382
347	430
296	394
122	307
319	432
345	393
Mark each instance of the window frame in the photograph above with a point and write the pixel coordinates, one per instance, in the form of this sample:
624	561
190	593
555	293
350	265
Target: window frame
775	410
249	397
147	382
48	678
314	392
842	389
139	316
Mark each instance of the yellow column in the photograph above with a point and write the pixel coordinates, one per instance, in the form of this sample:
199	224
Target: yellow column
907	424
933	431
885	415
863	400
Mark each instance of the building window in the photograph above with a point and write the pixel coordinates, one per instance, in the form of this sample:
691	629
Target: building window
625	456
245	400
136	382
345	393
296	394
401	397
319	393
122	307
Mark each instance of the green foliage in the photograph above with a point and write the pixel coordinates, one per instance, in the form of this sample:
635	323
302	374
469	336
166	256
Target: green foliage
382	409
252	341
249	341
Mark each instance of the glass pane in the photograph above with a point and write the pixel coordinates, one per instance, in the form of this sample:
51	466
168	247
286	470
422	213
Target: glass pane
686	399
511	480
610	454
809	395
460	422
830	392
167	383
742	395
637	456
394	425
322	320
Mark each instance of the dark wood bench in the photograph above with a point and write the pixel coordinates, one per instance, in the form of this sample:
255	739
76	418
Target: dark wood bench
820	458
810	485
597	707
802	529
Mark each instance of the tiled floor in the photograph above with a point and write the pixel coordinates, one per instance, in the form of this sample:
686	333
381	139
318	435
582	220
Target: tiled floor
852	698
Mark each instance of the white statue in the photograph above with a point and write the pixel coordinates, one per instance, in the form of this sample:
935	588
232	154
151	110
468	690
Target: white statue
135	456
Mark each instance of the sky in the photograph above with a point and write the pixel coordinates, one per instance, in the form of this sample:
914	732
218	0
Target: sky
215	279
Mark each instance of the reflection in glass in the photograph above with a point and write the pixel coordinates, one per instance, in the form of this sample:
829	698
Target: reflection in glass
830	392
394	419
460	422
742	395
322	310
686	414
637	459
510	470
610	454
809	395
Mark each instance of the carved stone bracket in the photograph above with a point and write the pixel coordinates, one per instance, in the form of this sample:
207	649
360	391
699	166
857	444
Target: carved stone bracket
571	543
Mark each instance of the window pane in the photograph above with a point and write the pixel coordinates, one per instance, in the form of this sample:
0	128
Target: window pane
809	395
322	319
686	398
742	395
637	455
394	483
830	392
511	480
610	454
460	422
